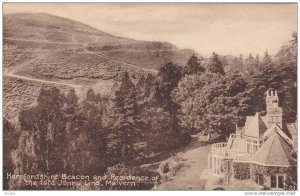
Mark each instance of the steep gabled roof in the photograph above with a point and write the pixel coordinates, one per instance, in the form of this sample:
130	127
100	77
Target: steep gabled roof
237	145
275	128
256	127
274	152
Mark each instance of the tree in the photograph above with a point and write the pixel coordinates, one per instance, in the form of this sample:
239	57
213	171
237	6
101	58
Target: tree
42	138
266	59
293	48
283	79
288	53
193	66
249	64
143	89
71	102
45	123
161	114
86	138
211	104
166	81
125	123
257	61
215	65
10	143
161	134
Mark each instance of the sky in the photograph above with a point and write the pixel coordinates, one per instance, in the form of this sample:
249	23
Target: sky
222	28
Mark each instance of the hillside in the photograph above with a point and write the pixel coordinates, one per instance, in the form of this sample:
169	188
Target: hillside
55	34
42	49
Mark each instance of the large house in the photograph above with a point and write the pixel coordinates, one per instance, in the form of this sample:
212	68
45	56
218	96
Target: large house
260	152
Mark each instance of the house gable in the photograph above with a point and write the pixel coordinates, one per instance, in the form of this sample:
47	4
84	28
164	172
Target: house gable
274	152
256	127
276	129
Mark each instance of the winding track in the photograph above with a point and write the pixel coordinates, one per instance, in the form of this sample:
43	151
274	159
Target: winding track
12	73
29	78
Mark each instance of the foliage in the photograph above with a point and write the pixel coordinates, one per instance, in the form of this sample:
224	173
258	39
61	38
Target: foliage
55	133
215	65
160	135
85	136
167	79
61	134
266	59
241	171
291	179
43	133
193	66
210	103
214	101
228	170
10	138
161	114
283	79
291	174
125	123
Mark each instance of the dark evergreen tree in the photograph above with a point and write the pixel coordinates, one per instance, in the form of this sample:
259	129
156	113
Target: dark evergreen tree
71	102
86	138
166	81
215	65
125	124
266	61
193	65
162	111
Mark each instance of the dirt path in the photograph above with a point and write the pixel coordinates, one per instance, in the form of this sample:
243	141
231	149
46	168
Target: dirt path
30	78
189	176
12	73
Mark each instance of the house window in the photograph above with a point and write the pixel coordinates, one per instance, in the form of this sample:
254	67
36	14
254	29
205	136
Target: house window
255	146
273	181
280	181
260	179
277	181
252	146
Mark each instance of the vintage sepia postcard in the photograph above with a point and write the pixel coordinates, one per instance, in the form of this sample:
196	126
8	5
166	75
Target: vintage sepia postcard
149	96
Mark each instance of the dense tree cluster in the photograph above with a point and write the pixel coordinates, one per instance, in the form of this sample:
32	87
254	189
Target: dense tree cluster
216	99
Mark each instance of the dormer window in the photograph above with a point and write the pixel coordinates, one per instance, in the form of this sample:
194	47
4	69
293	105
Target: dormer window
252	146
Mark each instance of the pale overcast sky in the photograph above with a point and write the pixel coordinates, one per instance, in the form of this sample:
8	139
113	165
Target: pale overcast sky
223	28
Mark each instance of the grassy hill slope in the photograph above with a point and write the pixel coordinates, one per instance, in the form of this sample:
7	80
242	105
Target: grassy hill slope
42	49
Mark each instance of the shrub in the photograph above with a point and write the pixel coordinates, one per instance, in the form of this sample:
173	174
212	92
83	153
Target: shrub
241	171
